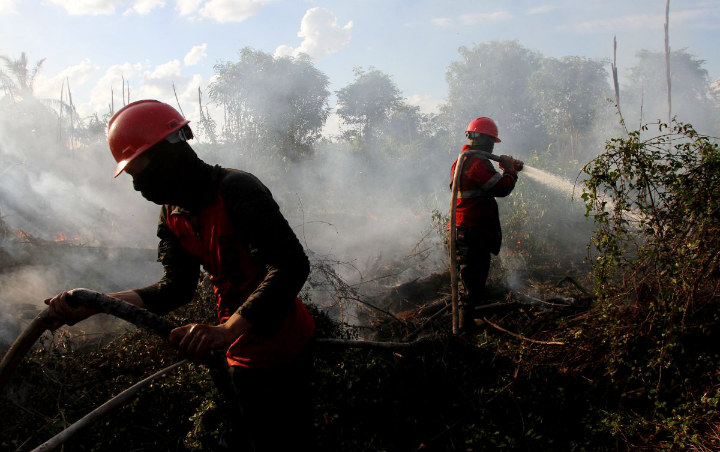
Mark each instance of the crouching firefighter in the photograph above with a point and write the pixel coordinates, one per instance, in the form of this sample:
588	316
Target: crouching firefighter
226	221
478	232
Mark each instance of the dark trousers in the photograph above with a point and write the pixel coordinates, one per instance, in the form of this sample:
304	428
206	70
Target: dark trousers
270	409
473	260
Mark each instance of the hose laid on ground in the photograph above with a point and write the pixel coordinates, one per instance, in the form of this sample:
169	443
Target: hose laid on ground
140	317
108	305
117	401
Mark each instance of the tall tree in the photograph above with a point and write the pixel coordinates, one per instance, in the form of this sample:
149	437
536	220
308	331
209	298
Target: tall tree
570	95
366	104
271	104
17	79
692	96
492	79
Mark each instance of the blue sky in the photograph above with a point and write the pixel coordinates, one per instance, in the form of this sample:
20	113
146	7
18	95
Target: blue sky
154	44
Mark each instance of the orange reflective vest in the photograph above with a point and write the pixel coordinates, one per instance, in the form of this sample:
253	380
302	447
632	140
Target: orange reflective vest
210	237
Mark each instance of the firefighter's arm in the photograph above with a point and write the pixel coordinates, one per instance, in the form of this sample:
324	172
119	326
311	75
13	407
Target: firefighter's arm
196	339
497	184
271	241
177	286
61	313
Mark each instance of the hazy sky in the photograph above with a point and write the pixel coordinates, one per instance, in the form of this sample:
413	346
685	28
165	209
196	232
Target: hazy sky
154	44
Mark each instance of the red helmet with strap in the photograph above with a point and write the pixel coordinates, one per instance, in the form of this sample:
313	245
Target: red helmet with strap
484	125
138	126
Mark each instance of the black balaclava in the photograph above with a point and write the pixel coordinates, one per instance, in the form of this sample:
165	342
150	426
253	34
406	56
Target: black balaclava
482	142
175	175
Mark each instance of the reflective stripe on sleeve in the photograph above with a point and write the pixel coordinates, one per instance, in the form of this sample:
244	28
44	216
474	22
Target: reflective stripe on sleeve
482	190
491	183
471	193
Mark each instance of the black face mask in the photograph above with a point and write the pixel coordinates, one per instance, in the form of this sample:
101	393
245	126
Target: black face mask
154	188
171	176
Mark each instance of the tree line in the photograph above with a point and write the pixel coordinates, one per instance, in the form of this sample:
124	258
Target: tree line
277	107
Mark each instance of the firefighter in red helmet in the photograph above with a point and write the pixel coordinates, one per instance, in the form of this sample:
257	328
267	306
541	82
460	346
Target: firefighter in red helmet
226	222
476	213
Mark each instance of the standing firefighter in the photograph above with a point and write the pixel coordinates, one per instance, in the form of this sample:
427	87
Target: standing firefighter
226	221
476	211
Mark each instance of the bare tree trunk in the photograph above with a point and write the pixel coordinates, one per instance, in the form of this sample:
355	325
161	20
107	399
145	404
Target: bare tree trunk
667	60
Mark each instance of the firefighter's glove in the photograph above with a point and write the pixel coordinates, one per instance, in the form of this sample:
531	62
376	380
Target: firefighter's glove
507	164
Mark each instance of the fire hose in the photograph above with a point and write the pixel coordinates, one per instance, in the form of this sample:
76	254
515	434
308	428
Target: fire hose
86	298
109	305
111	404
141	317
453	229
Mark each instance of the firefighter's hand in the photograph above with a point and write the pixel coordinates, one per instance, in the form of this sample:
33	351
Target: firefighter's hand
507	163
61	313
196	339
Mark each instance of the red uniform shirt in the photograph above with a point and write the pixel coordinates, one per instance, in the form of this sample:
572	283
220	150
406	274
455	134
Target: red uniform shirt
478	186
235	275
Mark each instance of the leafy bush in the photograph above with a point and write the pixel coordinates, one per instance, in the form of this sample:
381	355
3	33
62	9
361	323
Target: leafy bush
656	206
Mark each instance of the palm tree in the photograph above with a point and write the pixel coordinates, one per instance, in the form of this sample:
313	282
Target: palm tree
16	79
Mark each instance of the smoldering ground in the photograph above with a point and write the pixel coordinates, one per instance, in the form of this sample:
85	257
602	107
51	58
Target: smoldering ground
366	211
67	223
370	222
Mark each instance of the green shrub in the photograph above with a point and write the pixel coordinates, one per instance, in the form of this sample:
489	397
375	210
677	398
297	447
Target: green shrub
655	261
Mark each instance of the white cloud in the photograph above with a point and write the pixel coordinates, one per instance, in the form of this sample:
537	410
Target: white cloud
284	51
187	7
7	6
129	82
221	10
103	7
715	88
332	125
477	18
144	7
638	21
195	54
109	88
441	21
231	10
49	87
643	21
164	71
540	10
165	81
88	7
425	101
322	35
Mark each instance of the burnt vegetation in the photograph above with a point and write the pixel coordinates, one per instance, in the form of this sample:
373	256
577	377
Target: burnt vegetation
601	330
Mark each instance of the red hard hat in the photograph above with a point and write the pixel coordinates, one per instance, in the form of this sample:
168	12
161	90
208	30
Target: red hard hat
484	125
138	126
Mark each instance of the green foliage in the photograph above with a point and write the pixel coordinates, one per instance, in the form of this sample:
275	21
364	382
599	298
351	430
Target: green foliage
570	96
366	103
440	222
535	100
272	105
655	202
448	395
543	224
645	94
491	79
16	80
